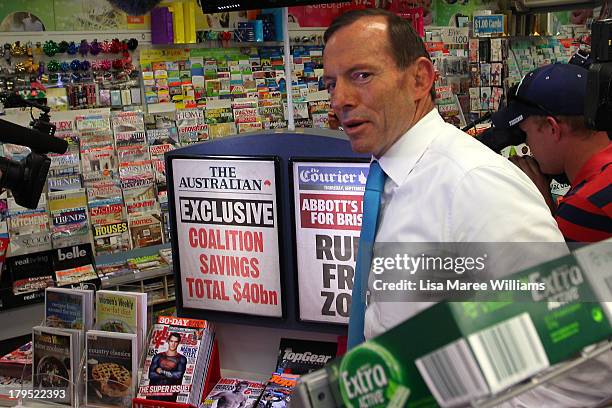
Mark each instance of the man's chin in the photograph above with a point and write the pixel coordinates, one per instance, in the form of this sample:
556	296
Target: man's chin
358	146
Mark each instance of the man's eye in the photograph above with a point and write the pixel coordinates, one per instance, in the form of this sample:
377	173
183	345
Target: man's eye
362	75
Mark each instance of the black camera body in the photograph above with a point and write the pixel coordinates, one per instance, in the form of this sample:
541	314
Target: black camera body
598	105
26	178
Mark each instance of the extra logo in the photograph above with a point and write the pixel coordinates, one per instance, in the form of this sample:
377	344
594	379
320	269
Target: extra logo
370	377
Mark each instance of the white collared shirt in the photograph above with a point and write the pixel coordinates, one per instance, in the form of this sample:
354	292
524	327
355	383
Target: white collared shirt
445	186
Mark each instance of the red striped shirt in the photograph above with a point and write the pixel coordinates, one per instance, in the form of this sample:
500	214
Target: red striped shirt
585	213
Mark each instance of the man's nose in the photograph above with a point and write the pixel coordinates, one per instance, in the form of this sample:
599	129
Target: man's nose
342	96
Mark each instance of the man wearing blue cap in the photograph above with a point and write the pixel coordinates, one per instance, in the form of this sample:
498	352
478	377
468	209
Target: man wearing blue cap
548	105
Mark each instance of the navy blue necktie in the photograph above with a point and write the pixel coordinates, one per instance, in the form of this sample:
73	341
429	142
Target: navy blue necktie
371	208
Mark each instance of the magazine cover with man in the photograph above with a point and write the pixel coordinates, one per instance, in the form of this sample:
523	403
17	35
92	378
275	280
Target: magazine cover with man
233	393
177	355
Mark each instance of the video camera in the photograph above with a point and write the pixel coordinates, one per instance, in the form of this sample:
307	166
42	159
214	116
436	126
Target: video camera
26	178
598	106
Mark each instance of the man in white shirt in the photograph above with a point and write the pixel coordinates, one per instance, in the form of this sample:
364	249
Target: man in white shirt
441	185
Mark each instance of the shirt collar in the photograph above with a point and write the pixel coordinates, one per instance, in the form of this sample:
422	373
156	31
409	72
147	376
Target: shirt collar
404	154
593	165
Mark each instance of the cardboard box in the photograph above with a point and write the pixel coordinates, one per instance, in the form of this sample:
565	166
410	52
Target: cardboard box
464	351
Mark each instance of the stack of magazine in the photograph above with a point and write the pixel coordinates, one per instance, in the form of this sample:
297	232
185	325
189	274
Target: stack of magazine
234	392
111	351
114	348
57	345
112	366
56	362
278	391
177	360
122	312
17	364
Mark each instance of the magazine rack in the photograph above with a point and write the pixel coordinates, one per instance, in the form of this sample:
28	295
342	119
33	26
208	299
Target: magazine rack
79	386
212	377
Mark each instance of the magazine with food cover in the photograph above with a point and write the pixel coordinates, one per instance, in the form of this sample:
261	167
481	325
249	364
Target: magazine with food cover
112	368
233	392
122	312
176	361
54	363
65	309
117	311
62	308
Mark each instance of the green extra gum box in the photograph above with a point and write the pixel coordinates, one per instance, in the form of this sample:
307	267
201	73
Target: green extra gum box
457	352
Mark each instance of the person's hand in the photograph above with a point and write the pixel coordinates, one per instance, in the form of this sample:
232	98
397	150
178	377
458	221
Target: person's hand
158	370
531	168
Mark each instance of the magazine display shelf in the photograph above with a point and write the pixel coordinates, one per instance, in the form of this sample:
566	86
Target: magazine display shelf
212	376
34	396
27	310
31	395
9	300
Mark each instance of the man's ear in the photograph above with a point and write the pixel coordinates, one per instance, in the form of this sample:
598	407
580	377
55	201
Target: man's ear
555	127
424	77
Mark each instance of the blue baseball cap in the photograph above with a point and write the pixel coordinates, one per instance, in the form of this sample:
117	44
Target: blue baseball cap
551	90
